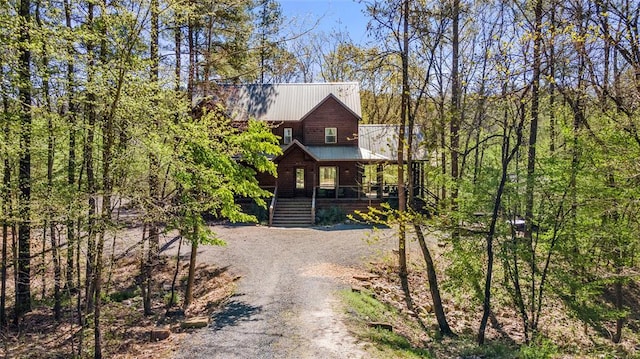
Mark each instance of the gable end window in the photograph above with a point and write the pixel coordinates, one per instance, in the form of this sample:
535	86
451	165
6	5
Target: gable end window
330	135
287	136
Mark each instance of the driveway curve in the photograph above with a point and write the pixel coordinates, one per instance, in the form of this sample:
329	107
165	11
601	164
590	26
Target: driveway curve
286	304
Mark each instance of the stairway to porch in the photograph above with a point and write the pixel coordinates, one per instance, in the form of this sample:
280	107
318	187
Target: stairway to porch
292	212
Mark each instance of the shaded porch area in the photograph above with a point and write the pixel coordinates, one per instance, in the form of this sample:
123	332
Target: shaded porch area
373	184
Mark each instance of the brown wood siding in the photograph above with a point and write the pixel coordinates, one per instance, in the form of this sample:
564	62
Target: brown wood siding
266	179
330	114
295	158
347	172
296	129
348	206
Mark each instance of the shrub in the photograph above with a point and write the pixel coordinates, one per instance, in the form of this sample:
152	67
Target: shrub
330	215
540	348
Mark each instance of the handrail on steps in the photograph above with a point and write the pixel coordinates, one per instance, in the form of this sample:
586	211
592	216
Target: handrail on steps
313	206
272	206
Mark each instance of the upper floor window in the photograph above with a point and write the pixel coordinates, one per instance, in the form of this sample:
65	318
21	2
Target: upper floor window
287	137
330	135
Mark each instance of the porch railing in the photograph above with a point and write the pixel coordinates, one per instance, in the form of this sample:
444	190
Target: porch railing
357	192
371	191
272	205
313	206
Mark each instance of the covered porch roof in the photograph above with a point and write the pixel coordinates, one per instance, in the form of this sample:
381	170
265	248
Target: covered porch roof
334	153
382	139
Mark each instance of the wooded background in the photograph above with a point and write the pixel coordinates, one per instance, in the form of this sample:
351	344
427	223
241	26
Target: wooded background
529	110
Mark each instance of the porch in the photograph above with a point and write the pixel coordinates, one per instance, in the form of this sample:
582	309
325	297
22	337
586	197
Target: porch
350	198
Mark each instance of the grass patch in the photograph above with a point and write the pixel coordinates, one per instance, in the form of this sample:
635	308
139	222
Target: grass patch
410	340
541	348
368	308
170	300
365	308
466	346
392	345
121	296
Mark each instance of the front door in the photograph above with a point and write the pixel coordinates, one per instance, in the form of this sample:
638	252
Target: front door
299	185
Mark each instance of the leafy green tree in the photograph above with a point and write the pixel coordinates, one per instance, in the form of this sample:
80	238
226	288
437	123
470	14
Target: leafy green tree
269	20
215	163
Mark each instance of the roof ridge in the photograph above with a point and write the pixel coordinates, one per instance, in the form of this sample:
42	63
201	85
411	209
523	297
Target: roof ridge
296	83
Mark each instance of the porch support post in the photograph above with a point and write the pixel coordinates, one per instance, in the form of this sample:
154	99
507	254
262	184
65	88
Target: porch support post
380	179
418	178
422	177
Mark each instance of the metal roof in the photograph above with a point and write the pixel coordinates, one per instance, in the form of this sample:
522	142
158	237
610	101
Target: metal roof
286	102
382	140
335	153
344	153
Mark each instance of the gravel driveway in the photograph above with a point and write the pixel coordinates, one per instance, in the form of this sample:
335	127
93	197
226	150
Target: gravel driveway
286	303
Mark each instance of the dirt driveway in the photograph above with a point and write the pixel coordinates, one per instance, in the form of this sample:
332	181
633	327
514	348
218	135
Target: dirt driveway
286	303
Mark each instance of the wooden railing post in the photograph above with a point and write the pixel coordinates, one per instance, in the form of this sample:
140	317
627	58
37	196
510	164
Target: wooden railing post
272	206
313	206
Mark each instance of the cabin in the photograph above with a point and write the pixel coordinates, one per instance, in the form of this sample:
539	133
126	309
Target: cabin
329	159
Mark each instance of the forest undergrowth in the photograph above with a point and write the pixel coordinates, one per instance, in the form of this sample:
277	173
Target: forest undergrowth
564	332
128	333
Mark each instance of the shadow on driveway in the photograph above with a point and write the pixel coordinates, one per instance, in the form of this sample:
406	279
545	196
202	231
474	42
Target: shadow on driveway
348	226
234	313
324	228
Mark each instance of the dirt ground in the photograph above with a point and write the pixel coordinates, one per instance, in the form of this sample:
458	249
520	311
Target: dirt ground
270	293
286	303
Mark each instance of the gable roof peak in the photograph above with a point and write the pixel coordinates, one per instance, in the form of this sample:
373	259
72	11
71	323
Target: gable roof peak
287	101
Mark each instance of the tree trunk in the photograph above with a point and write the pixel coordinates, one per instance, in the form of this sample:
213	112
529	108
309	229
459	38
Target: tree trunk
402	199
49	222
71	162
172	298
454	125
552	95
52	225
178	54
108	140
3	273
507	155
97	307
88	162
188	295
531	157
192	61
6	211
486	306
154	168
79	309
23	285
438	308
617	336
443	147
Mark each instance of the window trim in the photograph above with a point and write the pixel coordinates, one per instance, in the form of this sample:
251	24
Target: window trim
327	134
287	139
321	172
300	185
